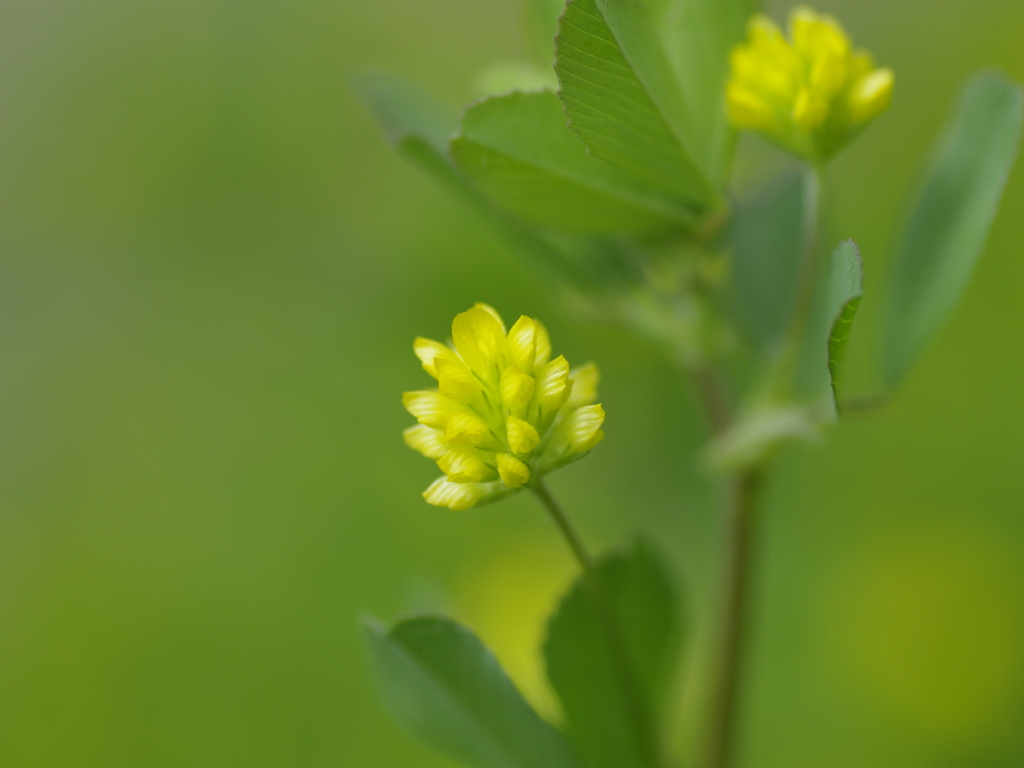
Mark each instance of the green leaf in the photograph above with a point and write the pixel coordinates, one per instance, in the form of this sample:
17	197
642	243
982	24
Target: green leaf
950	221
766	236
441	683
837	293
581	667
623	99
419	127
416	125
698	35
540	23
405	112
845	289
517	150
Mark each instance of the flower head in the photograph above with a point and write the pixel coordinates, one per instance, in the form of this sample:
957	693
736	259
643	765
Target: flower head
812	93
503	413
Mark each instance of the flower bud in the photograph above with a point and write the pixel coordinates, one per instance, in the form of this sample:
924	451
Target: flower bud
504	413
811	94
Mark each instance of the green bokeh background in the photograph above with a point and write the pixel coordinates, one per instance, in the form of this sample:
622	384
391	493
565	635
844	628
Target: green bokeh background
211	272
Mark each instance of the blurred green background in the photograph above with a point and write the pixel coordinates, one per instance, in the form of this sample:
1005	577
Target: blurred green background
211	273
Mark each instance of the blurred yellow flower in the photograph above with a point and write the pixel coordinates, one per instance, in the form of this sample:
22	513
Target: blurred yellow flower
503	413
811	94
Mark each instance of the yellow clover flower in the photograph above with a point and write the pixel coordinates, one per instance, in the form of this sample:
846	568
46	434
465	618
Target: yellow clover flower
504	413
811	94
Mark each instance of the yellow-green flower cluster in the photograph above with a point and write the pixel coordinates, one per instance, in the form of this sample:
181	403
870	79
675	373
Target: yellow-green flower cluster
503	413
811	94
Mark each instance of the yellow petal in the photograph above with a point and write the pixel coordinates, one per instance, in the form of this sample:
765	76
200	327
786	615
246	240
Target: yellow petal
782	73
861	63
521	349
465	428
455	380
576	434
871	96
456	496
816	35
512	471
552	388
828	74
522	435
426	440
748	111
492	312
516	389
745	65
428	351
810	111
430	408
761	28
464	464
582	428
480	340
542	344
584	379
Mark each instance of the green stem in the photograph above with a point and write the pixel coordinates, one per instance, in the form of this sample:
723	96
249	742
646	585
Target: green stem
713	397
632	692
743	491
736	596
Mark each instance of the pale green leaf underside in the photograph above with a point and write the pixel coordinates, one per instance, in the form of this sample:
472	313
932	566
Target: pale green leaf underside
766	239
517	150
623	99
846	287
697	37
952	216
447	690
582	671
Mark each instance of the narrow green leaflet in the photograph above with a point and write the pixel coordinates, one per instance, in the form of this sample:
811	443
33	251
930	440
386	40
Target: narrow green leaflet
405	112
517	150
581	667
419	128
837	293
447	690
416	125
766	238
623	99
950	221
846	287
540	23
